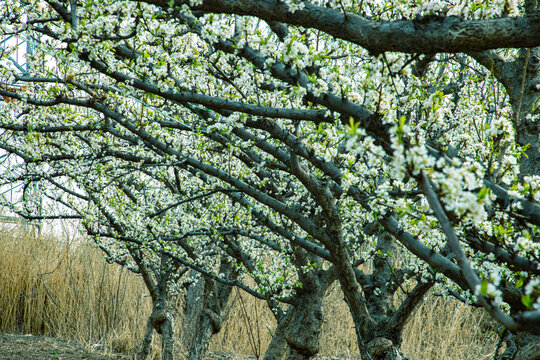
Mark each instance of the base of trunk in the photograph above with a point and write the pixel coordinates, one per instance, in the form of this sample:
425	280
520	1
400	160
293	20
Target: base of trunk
382	348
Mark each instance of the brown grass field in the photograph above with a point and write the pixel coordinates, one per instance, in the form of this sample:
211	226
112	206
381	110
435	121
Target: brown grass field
61	287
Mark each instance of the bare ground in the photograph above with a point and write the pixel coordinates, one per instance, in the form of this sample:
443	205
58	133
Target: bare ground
30	347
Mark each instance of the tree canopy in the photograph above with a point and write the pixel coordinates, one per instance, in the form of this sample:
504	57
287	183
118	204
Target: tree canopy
290	141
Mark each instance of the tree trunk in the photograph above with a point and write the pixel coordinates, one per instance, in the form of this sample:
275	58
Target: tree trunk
205	311
278	346
146	342
162	321
304	319
383	349
167	337
523	346
199	345
380	290
192	308
364	324
298	331
302	324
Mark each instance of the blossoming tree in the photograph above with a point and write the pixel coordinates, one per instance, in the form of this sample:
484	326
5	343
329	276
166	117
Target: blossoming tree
292	141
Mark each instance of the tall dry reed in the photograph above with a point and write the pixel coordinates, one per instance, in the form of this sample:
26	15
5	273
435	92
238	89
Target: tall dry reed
64	288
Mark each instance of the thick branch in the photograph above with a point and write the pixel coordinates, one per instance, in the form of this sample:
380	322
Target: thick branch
426	35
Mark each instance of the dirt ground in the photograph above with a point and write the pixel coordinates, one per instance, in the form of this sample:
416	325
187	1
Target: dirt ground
28	347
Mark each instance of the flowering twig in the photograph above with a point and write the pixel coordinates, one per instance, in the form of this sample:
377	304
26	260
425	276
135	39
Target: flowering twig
468	272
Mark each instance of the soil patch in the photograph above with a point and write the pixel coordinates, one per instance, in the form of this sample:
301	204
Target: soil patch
29	347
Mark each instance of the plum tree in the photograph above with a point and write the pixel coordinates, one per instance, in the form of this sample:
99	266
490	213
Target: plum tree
292	141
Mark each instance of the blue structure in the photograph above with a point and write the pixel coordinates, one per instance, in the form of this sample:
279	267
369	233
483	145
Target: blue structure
16	61
18	58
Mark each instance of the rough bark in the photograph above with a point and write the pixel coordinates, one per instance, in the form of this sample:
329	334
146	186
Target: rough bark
429	34
278	346
380	295
382	348
380	291
205	311
301	326
192	309
163	323
146	346
522	346
525	100
364	324
161	319
298	331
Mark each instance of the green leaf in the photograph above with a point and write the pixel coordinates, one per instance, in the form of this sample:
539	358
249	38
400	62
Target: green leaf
483	287
353	126
401	123
403	210
527	301
483	193
519	283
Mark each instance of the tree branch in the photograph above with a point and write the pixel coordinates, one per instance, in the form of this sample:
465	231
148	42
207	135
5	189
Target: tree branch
433	34
470	276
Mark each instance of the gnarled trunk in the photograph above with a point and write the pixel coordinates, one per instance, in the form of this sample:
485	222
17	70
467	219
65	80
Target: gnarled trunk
523	346
302	325
298	331
162	321
278	346
382	348
204	313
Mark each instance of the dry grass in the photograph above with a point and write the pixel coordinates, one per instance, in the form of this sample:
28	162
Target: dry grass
447	329
248	329
66	289
63	288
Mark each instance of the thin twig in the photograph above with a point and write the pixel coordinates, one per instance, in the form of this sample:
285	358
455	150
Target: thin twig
522	86
470	276
251	337
52	297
